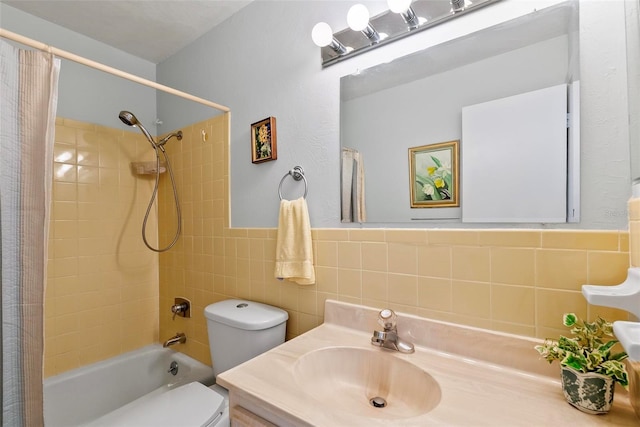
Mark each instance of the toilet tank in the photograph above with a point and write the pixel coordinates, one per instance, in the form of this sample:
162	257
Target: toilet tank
240	330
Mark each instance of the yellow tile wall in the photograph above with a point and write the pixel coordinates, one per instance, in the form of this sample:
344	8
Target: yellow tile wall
516	281
101	295
523	290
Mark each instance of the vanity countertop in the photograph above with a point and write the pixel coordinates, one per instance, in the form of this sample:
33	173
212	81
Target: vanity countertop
486	378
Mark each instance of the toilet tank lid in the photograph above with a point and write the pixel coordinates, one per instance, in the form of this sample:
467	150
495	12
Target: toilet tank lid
247	315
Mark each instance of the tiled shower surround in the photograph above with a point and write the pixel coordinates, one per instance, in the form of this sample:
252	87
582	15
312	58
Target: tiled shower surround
101	294
516	281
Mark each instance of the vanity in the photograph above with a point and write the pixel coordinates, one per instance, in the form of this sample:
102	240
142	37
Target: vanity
458	375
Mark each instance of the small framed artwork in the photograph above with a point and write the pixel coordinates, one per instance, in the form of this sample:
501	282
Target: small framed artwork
434	175
263	141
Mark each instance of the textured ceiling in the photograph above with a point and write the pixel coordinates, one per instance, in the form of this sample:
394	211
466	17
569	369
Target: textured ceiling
149	29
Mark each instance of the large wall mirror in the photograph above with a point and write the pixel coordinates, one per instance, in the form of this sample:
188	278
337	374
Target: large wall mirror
419	100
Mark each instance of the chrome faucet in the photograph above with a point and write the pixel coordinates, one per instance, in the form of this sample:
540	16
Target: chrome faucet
178	338
388	338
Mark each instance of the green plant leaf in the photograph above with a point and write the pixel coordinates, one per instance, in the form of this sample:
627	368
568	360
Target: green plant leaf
615	370
568	344
575	361
569	319
619	356
594	360
605	348
436	161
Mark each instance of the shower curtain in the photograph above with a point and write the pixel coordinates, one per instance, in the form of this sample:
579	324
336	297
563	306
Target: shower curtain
28	98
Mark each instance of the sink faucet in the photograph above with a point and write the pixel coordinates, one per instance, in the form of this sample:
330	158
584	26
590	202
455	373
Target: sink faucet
388	338
178	338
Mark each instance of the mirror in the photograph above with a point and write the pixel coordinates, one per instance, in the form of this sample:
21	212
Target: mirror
417	100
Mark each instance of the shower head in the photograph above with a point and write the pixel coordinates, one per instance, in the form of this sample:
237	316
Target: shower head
129	119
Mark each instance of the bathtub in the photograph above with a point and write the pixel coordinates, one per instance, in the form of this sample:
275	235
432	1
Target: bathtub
83	395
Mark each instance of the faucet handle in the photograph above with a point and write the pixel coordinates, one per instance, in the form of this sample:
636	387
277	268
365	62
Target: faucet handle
387	318
181	307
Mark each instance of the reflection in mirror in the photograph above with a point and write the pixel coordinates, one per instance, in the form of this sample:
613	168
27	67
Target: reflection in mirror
418	100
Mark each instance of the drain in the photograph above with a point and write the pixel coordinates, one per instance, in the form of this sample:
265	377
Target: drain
378	402
173	368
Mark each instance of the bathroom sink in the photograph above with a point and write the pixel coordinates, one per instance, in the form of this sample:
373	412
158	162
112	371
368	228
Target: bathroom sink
370	383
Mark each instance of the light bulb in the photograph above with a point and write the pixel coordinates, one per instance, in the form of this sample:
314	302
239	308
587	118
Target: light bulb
322	34
358	17
399	6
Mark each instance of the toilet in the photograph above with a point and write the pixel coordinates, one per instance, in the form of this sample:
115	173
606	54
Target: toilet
238	331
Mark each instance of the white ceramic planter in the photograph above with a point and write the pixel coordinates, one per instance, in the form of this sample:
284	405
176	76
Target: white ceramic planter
589	392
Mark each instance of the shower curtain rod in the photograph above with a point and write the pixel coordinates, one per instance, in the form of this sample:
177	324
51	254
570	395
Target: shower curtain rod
107	69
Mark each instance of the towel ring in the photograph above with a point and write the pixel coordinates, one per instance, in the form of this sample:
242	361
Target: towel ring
297	173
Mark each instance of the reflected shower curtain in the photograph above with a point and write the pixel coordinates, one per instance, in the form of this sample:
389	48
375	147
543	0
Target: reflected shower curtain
28	98
352	182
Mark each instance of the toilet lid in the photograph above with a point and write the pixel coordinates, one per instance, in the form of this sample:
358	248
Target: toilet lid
190	405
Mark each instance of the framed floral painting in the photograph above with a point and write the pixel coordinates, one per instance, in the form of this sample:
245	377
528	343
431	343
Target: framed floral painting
434	175
263	140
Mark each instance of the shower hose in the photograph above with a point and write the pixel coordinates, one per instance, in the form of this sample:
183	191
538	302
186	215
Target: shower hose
153	198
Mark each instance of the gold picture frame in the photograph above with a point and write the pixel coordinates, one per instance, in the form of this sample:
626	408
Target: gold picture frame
264	141
434	175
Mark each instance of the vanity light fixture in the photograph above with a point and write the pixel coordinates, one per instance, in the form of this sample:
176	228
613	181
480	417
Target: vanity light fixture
417	15
358	20
323	36
457	5
403	7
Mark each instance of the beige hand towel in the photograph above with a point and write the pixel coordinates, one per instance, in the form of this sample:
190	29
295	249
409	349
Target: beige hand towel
294	252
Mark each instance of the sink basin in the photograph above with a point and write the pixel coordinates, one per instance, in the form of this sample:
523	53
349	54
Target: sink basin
370	383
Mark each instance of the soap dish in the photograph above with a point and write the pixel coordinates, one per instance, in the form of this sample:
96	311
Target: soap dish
147	168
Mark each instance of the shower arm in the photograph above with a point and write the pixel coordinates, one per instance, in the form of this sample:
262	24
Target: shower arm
164	140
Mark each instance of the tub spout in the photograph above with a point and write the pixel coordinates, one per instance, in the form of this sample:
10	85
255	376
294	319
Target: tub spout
178	338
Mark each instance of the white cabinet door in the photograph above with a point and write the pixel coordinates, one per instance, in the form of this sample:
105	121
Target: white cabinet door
514	158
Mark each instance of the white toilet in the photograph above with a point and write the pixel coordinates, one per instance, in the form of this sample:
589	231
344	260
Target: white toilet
238	331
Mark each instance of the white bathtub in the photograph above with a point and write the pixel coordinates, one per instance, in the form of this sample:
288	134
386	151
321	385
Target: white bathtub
83	395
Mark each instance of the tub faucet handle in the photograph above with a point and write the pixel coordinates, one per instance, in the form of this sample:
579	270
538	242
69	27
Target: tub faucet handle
181	307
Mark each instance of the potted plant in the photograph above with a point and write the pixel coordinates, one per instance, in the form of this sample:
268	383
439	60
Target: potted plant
589	368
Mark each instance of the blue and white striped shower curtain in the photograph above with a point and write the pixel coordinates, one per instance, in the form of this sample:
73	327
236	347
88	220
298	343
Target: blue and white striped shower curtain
28	98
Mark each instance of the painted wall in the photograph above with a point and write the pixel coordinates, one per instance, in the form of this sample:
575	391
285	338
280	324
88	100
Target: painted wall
262	62
86	94
633	70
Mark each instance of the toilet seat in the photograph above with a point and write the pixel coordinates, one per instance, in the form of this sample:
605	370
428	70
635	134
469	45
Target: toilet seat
190	405
224	421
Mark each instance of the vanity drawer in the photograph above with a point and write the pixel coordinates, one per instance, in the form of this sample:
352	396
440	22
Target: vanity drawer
241	417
